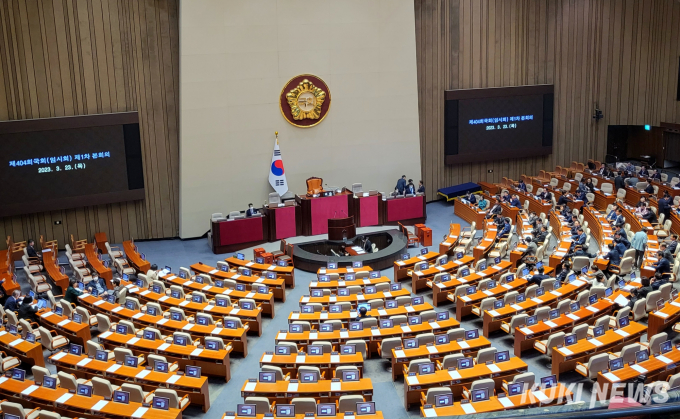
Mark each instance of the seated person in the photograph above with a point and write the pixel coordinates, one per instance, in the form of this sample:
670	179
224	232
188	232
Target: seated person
592	271
505	232
644	172
533	218
589	186
611	216
659	280
538	278
574	229
650	189
27	312
619	220
656	176
565	198
641	202
598	282
532	248
564	269
515	202
646	287
421	187
612	256
542	235
251	211
482	204
495	210
505	196
580	238
522	186
469	198
662	266
545	195
673	244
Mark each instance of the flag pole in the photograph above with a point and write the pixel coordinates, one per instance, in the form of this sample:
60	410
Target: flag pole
277	136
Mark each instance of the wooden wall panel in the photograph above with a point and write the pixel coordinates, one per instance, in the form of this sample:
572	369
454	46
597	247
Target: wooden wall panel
620	54
79	57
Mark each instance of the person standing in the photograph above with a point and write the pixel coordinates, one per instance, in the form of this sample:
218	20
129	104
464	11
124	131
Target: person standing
639	243
401	185
421	187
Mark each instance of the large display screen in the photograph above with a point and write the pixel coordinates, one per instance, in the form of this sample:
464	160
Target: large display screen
498	123
58	163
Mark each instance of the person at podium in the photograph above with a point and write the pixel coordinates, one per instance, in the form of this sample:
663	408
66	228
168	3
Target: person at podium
401	185
251	211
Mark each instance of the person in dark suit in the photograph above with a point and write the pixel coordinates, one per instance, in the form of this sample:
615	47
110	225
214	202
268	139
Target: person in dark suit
650	216
564	199
664	205
650	189
646	287
673	245
401	185
575	229
522	186
12	303
542	235
515	202
421	187
580	239
663	266
546	195
30	249
619	182
539	277
604	171
589	186
505	196
27	312
644	172
251	211
410	188
619	221
368	246
495	210
656	176
506	229
612	256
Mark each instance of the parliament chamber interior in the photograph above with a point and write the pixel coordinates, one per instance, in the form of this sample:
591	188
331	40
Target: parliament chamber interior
231	209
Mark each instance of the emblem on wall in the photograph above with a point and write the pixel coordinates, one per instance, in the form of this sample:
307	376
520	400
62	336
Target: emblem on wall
305	100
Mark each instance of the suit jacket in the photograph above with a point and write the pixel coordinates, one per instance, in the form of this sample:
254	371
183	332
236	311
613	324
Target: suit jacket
580	240
11	304
563	200
540	237
649	189
672	246
619	182
664	205
644	173
410	189
31	252
473	199
515	203
522	187
496	209
613	257
251	212
619	221
506	230
421	189
401	185
663	266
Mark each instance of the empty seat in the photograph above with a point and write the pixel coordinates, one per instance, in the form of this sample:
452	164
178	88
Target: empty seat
349	403
51	340
10	408
595	364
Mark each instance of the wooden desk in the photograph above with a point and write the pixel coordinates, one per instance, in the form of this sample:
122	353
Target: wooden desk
277	286
233	234
84	367
76	406
636	223
660	320
526	336
354	299
326	362
456	379
469	213
485	244
321	391
97	265
100	240
401	358
30	353
536	205
286	272
51	264
371	336
214	363
315	217
333	285
236	337
565	359
420	279
441	290
347	316
266	301
465	303
446	247
493	321
134	258
563	235
401	267
342	271
74	332
655	369
489	188
9	285
551	397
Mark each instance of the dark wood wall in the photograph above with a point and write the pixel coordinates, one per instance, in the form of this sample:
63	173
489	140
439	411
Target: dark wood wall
619	54
79	57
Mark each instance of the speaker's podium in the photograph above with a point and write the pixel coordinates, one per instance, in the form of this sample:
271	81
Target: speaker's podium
341	228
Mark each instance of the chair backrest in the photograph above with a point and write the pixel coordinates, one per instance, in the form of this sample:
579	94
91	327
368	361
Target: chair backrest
652	298
656	341
486	354
11	408
628	352
274	198
67	381
554	340
387	345
314	185
597	363
486	383
136	392
171	395
101	387
639	310
262	405
304	405
581	331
